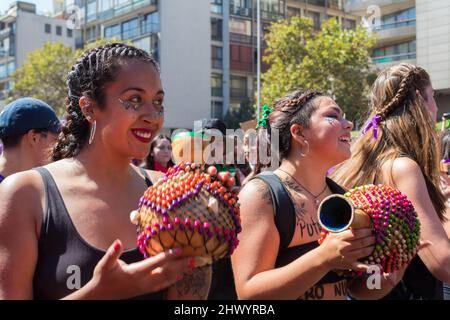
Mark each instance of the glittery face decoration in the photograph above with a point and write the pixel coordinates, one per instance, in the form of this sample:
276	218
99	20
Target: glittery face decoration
330	120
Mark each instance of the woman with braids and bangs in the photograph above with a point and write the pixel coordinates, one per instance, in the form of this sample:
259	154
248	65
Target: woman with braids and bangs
399	147
64	228
278	256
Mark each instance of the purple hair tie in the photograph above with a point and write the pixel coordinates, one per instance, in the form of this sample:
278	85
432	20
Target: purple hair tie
446	160
373	124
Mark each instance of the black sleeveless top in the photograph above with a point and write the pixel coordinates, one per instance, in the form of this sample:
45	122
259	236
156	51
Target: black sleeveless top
66	262
285	224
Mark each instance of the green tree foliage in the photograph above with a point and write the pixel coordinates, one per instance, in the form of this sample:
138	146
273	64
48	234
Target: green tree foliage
43	75
235	116
333	60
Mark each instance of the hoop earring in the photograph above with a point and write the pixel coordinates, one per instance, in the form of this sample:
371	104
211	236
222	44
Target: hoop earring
305	154
93	128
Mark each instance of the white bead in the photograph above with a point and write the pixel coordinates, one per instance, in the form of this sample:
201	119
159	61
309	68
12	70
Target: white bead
134	215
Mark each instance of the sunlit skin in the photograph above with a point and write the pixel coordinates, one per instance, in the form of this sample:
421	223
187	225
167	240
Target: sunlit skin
110	188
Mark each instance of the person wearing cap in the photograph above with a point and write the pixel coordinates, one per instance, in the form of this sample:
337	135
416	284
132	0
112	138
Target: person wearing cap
222	284
208	127
28	130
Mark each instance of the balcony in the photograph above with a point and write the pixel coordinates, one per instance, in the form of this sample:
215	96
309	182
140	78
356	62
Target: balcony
121	9
270	15
216	91
7	32
394	57
241	93
240	11
396	31
241	38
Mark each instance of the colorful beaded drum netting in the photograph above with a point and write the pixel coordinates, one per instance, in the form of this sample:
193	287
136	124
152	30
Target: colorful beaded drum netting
190	208
394	221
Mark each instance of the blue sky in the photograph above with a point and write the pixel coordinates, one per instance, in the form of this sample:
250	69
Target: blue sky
42	5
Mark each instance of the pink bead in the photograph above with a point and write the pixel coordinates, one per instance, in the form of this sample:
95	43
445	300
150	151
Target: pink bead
165	220
217	229
206	225
197	224
187	222
176	221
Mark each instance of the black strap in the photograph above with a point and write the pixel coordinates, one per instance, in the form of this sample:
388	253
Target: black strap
148	181
282	206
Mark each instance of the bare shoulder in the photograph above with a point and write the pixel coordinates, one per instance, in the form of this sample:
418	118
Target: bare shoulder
405	165
20	198
399	170
256	193
21	186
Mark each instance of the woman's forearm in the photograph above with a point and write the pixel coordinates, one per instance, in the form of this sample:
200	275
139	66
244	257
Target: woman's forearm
288	282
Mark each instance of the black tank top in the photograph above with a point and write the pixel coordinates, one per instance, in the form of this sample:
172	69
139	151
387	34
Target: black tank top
285	223
66	262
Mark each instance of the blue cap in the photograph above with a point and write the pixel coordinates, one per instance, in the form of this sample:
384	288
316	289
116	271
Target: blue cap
25	114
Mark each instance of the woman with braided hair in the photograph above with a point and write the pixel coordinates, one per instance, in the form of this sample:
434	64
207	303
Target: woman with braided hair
278	256
399	147
64	228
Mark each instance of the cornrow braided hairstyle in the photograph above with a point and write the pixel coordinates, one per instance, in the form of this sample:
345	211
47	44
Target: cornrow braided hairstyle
88	77
294	108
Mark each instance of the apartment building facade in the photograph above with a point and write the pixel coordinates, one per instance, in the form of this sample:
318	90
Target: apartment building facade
413	31
23	30
206	48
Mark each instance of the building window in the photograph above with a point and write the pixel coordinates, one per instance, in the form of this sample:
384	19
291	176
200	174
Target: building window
11	67
130	29
349	24
92	33
333	4
320	3
399	19
48	28
3	71
240	30
149	44
241	58
238	87
293	12
273	9
112	31
150	23
216	57
69	33
216	109
58	30
401	51
91	11
315	16
241	7
216	85
216	29
216	6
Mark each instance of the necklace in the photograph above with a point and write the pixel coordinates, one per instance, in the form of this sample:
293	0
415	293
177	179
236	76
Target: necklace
316	202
